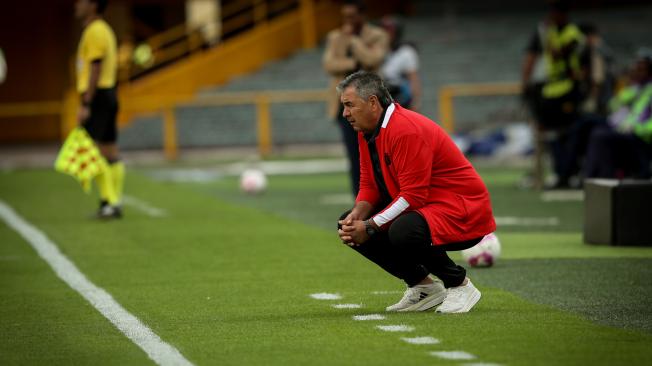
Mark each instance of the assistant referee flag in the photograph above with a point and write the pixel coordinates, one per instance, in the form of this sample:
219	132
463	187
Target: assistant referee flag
80	158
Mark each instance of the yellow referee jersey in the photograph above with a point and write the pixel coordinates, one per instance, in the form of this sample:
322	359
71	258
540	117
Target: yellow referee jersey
97	43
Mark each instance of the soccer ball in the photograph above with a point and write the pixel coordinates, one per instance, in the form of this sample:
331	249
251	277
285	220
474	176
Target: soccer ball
253	181
483	254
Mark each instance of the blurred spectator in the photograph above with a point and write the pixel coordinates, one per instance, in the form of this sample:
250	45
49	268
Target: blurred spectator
401	67
356	45
598	78
555	102
621	146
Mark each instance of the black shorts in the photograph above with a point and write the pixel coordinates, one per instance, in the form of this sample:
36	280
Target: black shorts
102	122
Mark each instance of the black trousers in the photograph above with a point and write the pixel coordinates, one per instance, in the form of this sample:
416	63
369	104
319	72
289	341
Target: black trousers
350	138
578	141
405	251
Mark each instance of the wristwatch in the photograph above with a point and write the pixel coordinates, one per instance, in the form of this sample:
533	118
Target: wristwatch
370	228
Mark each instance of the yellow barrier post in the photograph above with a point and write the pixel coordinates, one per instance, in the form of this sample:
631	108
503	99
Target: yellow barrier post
170	133
264	122
308	25
69	108
446	115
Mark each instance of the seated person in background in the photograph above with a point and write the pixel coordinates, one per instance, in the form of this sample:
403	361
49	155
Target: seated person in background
401	66
621	146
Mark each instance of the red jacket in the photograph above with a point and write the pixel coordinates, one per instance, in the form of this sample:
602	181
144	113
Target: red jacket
424	171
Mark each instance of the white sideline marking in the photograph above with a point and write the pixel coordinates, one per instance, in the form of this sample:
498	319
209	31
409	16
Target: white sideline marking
527	221
347	306
395	328
291	167
369	317
565	195
326	296
143	206
421	340
453	355
159	351
386	292
336	199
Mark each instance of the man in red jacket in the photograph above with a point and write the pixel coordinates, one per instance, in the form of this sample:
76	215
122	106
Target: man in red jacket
419	197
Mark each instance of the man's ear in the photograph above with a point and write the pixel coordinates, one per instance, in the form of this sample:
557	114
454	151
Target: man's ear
375	102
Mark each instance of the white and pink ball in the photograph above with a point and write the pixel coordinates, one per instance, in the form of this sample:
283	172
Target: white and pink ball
253	181
483	254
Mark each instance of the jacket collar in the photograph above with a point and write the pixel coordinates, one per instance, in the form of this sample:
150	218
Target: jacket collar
388	114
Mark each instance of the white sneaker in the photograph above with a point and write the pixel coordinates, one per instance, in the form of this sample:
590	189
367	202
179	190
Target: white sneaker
460	299
421	297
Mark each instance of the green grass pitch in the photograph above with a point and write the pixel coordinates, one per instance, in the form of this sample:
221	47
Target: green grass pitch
226	278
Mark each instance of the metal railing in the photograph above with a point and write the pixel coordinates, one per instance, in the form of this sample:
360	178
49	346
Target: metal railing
262	101
31	109
447	93
165	106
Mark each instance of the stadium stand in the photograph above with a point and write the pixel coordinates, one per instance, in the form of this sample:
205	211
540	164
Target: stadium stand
454	48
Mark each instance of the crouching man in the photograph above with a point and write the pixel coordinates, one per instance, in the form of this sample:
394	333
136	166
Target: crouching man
419	198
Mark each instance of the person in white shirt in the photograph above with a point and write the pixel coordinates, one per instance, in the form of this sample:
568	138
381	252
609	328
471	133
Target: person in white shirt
400	69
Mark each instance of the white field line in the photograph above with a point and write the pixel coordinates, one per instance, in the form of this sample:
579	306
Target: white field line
387	292
291	167
336	199
347	306
369	317
453	355
326	296
564	196
395	328
143	206
527	221
159	351
421	340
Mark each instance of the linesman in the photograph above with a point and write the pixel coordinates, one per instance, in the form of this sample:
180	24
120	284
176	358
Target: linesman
96	84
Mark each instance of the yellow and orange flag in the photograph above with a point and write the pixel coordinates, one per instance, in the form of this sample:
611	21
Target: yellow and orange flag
80	158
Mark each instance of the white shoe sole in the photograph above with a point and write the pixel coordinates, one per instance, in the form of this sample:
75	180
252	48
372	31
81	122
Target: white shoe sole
427	303
473	299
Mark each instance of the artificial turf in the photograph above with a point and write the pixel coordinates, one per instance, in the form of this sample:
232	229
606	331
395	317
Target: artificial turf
226	279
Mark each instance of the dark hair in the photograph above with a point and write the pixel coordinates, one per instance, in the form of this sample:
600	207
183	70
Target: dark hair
366	84
101	5
359	4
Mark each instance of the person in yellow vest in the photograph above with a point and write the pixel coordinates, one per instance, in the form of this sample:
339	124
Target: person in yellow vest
556	99
96	85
